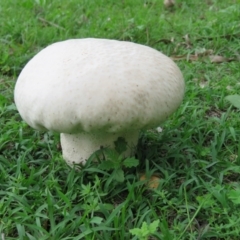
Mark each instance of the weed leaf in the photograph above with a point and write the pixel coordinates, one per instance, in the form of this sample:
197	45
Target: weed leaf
146	230
96	220
234	196
107	165
153	226
119	175
234	100
130	162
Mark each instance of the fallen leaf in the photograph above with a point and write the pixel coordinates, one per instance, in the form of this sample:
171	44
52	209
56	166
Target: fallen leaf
233	157
213	112
220	59
203	52
217	59
203	83
153	182
187	40
159	129
169	3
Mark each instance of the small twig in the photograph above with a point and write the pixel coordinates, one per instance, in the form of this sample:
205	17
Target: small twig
50	23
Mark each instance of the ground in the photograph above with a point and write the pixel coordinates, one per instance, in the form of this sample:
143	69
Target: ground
195	155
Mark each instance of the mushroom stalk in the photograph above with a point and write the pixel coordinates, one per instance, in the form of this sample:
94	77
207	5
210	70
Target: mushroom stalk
77	148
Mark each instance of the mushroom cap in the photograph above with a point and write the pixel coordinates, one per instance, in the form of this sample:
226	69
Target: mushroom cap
96	85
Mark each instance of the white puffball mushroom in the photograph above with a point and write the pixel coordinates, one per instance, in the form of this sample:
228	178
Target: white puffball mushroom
94	91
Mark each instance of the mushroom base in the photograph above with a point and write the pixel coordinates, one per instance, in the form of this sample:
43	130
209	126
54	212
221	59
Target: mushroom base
77	148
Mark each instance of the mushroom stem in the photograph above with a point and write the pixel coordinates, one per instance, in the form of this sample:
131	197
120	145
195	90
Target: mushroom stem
77	148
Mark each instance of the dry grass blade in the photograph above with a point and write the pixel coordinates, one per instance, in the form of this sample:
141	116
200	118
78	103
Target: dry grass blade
203	52
220	59
49	23
164	40
187	57
187	41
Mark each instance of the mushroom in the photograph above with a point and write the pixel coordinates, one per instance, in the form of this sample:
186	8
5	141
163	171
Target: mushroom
94	91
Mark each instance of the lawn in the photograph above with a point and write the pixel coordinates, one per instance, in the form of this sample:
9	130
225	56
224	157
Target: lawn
196	156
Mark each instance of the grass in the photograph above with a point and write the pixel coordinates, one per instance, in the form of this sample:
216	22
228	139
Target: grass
197	155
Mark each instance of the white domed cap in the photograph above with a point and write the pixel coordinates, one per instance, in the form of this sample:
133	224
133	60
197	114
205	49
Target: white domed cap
98	85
